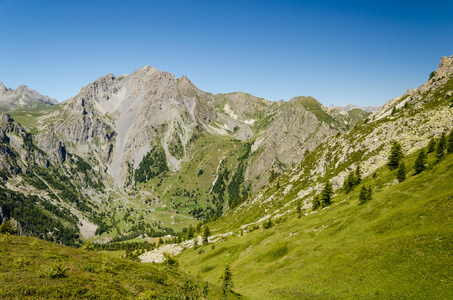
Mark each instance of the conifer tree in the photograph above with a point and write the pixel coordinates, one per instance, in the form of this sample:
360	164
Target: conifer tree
190	232
396	155
365	194
315	202
326	195
358	174
350	182
420	162
227	280
431	145
450	143
441	146
299	209
401	174
206	234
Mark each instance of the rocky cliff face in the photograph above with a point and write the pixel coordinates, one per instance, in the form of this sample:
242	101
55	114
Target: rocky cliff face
116	122
18	151
105	137
21	98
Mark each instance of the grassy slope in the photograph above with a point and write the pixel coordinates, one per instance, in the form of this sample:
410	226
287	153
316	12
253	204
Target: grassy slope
89	275
398	245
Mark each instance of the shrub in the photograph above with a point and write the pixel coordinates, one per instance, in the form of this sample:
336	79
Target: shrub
267	224
8	227
57	270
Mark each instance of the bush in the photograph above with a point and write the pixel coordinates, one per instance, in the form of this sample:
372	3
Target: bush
8	227
57	270
267	224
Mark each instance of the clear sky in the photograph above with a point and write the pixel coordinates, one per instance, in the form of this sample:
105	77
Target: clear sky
340	52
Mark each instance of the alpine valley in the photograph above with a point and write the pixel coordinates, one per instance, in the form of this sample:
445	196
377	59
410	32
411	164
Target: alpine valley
280	200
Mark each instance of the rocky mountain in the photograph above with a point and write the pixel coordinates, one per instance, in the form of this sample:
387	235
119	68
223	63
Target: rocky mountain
22	98
313	224
148	107
412	119
349	107
153	140
288	195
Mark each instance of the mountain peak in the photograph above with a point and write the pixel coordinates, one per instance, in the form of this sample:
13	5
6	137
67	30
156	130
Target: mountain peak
445	67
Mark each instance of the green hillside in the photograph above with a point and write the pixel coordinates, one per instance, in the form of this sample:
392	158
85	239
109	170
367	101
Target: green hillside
31	268
396	246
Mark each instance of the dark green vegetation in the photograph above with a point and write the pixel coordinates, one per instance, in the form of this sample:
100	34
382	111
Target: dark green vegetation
40	218
152	165
34	269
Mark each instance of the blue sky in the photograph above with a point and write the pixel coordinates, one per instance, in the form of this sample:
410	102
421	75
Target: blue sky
340	52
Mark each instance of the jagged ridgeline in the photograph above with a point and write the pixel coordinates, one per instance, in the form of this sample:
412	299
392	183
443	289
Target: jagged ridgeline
145	152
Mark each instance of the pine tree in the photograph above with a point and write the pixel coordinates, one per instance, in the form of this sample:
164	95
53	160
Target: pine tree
299	210
450	143
401	174
358	174
350	182
365	194
420	162
394	110
315	202
431	145
206	234
326	195
227	280
396	155
190	232
441	146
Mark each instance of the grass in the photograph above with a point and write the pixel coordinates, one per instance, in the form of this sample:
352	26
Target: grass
34	269
397	246
29	117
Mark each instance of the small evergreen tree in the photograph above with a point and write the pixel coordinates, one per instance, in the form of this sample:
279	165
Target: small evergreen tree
396	155
227	280
365	194
401	174
206	234
450	143
350	182
431	145
358	174
394	110
420	162
190	232
326	195
299	210
315	202
441	146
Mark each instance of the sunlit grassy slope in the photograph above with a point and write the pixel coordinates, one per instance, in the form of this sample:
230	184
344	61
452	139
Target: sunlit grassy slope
27	266
396	246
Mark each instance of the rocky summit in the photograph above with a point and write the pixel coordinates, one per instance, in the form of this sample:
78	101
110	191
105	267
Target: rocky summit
286	195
